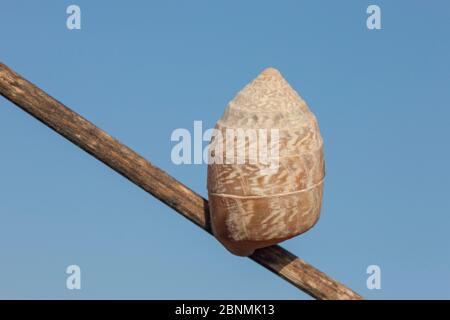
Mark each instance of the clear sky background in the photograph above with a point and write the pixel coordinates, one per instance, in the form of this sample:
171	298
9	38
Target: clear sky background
140	69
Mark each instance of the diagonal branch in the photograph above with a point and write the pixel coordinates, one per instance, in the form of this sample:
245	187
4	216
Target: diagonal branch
142	173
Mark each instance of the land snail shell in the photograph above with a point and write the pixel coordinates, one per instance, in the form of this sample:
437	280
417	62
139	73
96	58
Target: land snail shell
255	204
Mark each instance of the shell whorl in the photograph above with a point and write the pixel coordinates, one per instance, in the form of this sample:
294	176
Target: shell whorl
252	208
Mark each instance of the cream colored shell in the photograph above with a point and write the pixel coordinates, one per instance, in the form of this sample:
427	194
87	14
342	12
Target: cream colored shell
251	206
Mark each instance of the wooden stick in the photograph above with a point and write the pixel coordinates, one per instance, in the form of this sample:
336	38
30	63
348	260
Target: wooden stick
141	172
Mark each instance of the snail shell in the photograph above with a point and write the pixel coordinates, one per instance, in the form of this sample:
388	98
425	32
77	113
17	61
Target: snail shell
258	204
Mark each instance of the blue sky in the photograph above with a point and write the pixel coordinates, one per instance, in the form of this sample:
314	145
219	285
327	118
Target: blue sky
141	69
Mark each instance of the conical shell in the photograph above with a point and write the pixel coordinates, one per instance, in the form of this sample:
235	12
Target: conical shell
264	200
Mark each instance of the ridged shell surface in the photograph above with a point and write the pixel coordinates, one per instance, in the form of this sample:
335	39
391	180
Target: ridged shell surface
264	200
